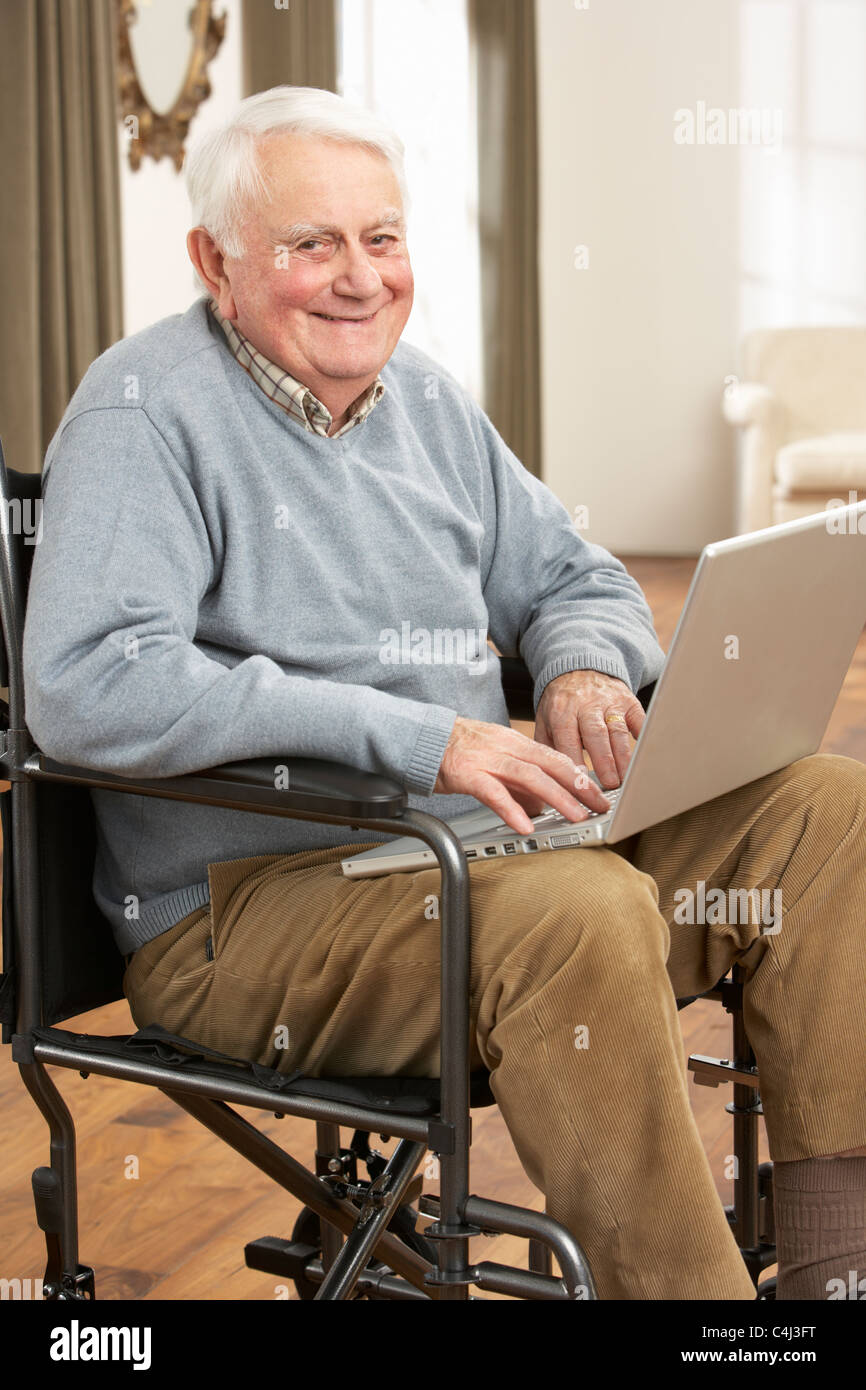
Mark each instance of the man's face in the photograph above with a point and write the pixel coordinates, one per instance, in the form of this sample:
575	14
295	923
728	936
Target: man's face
325	286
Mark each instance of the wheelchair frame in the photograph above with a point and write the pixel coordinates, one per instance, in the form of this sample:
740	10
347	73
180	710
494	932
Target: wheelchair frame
382	1256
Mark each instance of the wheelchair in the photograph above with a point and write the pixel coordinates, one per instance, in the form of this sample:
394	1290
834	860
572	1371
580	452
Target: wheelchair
357	1236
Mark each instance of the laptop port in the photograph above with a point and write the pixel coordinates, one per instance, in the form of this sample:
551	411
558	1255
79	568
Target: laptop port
472	854
510	848
489	849
531	844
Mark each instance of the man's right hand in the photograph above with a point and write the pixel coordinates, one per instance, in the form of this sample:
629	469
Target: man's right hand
514	775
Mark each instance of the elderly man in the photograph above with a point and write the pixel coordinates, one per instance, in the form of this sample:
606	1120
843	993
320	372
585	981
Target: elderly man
240	503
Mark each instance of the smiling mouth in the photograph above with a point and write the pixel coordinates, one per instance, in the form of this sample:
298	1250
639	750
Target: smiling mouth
333	319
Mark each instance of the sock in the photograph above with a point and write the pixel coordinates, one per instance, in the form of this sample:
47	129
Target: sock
820	1209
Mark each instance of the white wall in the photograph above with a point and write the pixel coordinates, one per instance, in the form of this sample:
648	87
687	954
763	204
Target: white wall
804	215
158	278
635	347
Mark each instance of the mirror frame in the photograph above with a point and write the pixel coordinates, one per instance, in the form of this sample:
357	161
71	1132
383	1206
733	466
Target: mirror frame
162	135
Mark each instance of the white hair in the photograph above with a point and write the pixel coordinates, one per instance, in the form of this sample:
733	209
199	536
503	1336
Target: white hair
222	172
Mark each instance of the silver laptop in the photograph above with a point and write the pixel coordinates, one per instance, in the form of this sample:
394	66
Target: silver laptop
761	649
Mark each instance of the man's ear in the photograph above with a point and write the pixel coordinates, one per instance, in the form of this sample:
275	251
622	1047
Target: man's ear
209	263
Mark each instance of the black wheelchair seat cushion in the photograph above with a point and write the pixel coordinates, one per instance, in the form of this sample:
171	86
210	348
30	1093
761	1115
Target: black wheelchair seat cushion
410	1095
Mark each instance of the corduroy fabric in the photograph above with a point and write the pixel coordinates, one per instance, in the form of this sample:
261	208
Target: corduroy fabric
566	942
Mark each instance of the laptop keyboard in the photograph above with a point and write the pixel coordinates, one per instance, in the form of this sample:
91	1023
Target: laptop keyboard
553	820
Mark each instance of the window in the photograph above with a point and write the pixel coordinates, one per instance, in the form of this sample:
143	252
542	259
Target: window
410	62
804	206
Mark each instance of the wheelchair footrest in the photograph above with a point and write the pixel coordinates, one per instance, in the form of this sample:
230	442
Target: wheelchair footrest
272	1255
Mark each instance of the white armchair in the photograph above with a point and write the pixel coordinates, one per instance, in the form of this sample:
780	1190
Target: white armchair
800	407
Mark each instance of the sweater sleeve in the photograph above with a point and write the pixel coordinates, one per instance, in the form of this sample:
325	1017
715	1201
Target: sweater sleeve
560	601
114	679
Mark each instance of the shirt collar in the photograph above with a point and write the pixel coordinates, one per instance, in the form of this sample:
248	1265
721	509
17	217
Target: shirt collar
293	396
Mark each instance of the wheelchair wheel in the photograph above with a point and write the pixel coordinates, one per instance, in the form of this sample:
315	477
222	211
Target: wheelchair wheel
307	1230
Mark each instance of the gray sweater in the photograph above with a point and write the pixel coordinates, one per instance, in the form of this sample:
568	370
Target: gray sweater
215	582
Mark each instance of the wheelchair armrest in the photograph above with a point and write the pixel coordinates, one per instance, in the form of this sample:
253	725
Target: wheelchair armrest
294	787
273	786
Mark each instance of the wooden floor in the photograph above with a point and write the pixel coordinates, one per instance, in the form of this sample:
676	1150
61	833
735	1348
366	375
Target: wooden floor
177	1229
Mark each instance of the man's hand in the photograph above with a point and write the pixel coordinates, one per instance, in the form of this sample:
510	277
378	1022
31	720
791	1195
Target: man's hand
513	775
588	711
517	776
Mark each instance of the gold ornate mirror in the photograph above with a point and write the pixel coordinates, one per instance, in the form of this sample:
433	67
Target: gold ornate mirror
164	49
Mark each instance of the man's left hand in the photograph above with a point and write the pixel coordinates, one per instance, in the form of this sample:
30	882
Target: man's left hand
589	711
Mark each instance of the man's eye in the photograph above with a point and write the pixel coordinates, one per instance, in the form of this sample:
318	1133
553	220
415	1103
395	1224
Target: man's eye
383	236
312	242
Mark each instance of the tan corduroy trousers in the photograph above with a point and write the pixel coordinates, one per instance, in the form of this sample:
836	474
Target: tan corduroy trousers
578	958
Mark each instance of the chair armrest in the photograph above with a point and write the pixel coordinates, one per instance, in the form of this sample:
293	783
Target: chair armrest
748	403
755	411
273	786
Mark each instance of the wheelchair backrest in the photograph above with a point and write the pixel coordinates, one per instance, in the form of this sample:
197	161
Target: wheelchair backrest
80	965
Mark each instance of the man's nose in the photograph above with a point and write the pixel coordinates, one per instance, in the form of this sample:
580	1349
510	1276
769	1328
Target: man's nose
356	274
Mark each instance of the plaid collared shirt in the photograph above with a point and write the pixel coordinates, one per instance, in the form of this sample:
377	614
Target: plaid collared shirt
292	395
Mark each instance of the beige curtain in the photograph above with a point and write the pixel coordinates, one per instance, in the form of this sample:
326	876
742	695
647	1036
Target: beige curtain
294	45
503	35
59	212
